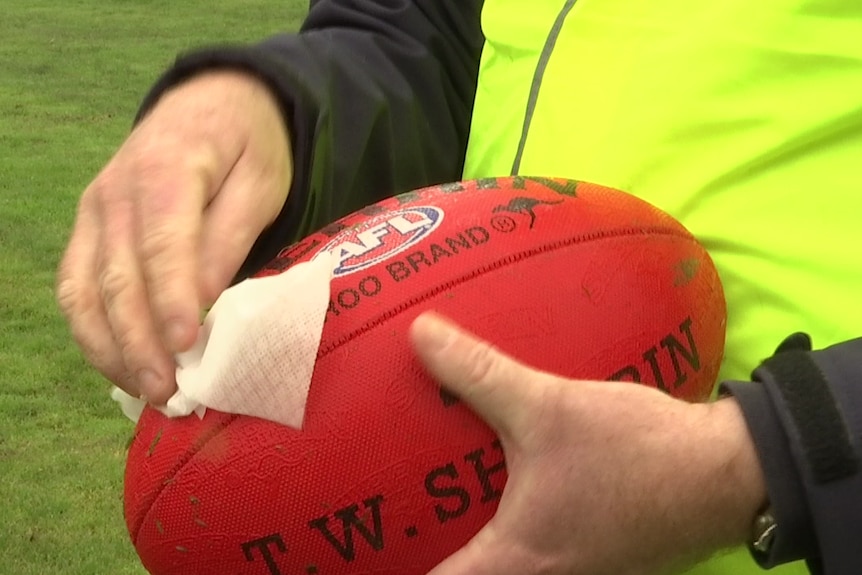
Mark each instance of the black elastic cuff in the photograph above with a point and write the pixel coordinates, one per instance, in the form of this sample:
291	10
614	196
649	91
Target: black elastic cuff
818	396
795	538
250	59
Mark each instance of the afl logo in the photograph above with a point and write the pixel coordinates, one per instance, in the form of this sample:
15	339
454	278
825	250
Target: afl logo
381	237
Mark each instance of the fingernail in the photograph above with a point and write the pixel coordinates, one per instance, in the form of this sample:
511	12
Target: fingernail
149	383
434	333
176	336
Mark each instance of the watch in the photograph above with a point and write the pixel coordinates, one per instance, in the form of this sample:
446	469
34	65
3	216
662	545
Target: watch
763	531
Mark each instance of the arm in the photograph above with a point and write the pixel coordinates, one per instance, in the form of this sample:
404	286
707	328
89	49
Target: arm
377	97
805	417
239	150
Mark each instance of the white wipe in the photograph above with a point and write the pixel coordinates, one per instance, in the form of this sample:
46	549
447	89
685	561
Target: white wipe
256	350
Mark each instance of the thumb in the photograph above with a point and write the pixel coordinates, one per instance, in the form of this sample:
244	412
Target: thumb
249	201
254	191
498	388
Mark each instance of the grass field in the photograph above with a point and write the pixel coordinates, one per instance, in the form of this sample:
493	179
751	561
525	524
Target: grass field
72	73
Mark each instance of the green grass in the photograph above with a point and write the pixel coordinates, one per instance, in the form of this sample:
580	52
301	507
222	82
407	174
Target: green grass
72	73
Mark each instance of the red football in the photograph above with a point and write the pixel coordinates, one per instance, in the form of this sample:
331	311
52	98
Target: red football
389	475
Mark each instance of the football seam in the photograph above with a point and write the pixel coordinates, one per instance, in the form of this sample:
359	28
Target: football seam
389	314
187	456
493	266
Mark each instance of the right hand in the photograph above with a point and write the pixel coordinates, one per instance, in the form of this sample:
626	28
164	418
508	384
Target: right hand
164	227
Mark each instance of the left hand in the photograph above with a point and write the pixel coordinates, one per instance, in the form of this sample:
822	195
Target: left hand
604	477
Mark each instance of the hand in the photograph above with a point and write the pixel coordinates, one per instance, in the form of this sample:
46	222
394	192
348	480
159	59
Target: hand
164	227
604	477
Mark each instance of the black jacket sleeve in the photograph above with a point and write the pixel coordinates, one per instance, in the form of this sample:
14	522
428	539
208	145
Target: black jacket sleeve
378	96
804	411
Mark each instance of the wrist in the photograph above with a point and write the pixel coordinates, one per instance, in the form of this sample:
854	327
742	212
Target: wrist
206	92
740	486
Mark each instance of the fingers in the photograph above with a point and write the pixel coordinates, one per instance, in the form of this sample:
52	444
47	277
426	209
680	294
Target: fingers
496	386
169	204
101	290
149	366
80	300
130	271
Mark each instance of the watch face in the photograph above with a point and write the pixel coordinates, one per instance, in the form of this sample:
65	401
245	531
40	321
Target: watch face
764	531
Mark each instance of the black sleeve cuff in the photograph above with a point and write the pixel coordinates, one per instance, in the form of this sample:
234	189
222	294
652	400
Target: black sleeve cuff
795	540
804	410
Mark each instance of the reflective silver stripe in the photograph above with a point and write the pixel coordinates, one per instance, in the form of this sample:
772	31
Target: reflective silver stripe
537	80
